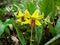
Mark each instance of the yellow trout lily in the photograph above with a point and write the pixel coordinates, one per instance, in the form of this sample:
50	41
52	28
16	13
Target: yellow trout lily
34	19
58	7
21	17
47	20
32	1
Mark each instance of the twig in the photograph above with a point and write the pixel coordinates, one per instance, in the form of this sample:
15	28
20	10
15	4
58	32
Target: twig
53	39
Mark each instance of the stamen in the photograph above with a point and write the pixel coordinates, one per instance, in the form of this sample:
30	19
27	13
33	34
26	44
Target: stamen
22	19
32	23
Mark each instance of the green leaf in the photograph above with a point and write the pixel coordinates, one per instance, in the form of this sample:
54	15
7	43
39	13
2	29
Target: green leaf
30	6
7	31
54	41
47	7
2	11
57	27
38	35
15	7
52	29
2	27
19	33
57	2
20	36
7	22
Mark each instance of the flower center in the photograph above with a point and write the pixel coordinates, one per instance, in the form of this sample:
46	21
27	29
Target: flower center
32	23
22	19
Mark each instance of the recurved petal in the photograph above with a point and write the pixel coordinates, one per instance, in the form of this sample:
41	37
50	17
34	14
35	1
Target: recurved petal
35	14
26	22
27	14
41	16
19	20
19	14
38	23
47	19
58	7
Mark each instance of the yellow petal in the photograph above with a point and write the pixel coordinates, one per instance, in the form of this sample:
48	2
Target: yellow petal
19	20
19	14
37	23
26	22
29	21
58	7
32	1
35	14
41	16
47	19
27	14
45	22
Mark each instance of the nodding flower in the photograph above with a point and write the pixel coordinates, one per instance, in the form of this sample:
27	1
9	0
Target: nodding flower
35	18
21	17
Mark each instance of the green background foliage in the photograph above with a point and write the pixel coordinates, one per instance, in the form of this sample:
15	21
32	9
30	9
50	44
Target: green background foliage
48	7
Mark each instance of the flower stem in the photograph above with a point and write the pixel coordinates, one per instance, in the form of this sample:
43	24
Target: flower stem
31	36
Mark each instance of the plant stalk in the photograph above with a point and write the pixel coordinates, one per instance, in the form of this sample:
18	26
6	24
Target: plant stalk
31	36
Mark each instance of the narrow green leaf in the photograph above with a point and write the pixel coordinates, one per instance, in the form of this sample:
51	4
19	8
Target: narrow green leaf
38	34
20	36
30	6
47	7
57	2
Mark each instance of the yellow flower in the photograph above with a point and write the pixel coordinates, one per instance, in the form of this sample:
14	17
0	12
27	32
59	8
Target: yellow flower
34	19
21	17
19	14
41	16
58	7
47	20
32	1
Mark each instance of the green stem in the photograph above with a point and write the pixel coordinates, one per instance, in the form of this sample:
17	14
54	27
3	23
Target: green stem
31	36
